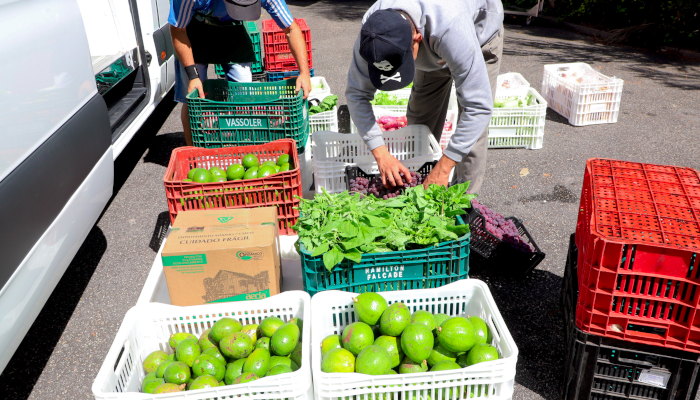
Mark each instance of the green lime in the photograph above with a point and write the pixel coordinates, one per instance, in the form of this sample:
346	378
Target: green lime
266	170
251	173
250	161
284	167
216	171
201	176
190	174
284	159
235	171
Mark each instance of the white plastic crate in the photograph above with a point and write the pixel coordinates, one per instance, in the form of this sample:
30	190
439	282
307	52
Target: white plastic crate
333	310
518	126
324	121
447	134
510	80
320	93
147	327
413	146
307	169
581	94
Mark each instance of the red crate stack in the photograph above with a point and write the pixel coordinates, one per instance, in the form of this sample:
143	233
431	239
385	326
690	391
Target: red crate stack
638	236
278	57
278	190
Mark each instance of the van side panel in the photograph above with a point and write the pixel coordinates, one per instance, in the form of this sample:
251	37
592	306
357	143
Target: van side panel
46	74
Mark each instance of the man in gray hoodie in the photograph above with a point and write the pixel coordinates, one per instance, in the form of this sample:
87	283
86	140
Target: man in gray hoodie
430	43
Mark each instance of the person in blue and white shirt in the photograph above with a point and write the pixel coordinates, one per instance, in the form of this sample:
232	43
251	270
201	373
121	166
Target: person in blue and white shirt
204	32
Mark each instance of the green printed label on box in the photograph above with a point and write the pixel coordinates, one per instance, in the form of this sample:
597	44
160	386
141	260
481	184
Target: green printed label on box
242	123
378	274
263	294
189	259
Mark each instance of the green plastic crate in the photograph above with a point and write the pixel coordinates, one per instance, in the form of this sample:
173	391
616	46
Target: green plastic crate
234	114
430	267
256	67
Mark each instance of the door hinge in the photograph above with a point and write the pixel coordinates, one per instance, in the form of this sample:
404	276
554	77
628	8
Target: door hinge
148	58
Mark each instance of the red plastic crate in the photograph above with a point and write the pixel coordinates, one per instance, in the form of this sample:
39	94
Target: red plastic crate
277	190
638	236
278	57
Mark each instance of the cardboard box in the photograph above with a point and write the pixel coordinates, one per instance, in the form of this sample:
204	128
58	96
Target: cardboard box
222	255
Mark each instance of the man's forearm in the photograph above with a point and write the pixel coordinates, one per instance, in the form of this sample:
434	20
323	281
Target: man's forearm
182	46
297	45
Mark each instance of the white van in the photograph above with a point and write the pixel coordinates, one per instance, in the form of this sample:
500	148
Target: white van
78	78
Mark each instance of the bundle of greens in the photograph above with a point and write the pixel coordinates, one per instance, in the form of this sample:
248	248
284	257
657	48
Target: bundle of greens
340	226
514	101
326	105
386	99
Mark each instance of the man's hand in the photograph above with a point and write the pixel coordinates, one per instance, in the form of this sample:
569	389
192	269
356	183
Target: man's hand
390	168
304	82
440	175
196	84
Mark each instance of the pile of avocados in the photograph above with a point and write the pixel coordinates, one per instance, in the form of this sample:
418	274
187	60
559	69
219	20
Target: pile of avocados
227	354
388	339
249	168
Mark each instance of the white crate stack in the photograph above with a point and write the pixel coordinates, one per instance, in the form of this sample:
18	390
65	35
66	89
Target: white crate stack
581	94
413	146
510	80
147	328
518	126
333	310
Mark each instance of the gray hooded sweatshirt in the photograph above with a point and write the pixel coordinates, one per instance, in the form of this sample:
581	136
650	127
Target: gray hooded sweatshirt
453	33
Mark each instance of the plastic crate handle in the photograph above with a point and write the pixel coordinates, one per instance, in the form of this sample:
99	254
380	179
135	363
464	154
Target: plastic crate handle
634	361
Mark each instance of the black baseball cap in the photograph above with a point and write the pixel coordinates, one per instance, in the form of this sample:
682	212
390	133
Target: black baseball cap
243	10
385	43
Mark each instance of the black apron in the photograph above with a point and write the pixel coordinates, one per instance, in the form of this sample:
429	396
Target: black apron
223	43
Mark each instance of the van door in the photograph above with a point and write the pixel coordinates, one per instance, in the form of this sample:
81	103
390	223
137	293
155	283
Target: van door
156	36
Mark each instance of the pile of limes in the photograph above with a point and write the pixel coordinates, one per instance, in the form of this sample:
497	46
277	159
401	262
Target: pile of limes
249	168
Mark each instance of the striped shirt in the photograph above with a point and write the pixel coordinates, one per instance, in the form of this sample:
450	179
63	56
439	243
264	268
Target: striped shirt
181	11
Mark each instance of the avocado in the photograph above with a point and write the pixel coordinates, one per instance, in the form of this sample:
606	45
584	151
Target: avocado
409	366
187	350
177	372
356	337
285	339
296	355
482	352
373	360
214	352
456	334
269	325
338	360
395	319
208	365
263	343
153	361
440	353
417	342
330	342
161	368
233	371
481	330
393	347
236	345
245	378
439	319
278	370
369	307
204	382
205	342
224	327
425	318
258	362
252	331
176	338
169	388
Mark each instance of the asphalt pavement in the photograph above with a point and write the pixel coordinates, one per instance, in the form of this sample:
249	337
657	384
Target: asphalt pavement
659	123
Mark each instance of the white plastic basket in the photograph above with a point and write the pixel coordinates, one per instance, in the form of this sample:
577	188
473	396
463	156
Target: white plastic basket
307	169
518	126
147	328
404	93
320	93
581	94
333	310
324	121
447	134
412	145
510	80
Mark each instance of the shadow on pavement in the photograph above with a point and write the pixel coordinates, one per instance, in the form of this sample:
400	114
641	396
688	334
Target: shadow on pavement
532	312
161	147
28	362
336	9
162	223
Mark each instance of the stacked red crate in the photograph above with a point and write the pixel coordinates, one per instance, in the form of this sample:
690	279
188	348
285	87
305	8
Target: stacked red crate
278	56
638	236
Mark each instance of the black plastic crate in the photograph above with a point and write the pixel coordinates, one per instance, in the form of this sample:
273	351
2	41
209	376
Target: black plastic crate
601	368
357	172
493	255
261	77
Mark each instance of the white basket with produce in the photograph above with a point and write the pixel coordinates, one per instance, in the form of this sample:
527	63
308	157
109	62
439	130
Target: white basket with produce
334	310
581	94
413	146
510	80
394	101
519	121
319	87
323	113
148	327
